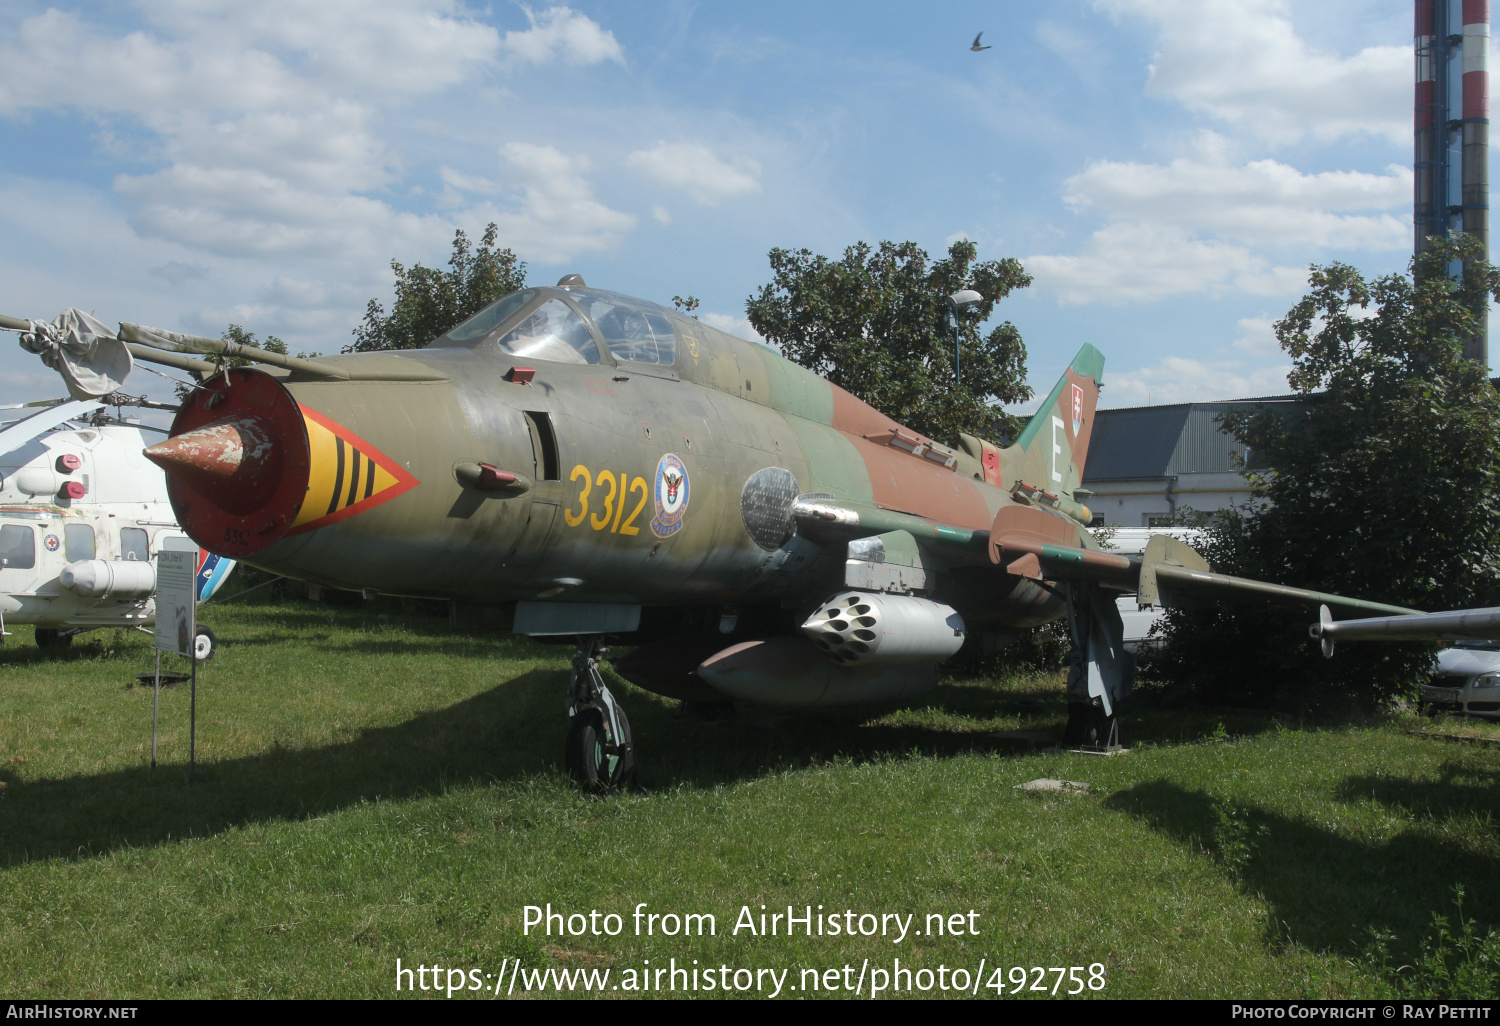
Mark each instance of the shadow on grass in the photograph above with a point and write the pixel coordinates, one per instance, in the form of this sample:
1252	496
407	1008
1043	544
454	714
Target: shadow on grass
1326	890
1460	791
509	732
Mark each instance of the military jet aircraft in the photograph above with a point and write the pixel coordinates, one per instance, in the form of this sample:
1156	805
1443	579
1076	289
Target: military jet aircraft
603	466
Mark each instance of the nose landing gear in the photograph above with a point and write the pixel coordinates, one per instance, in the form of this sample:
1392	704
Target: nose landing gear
598	751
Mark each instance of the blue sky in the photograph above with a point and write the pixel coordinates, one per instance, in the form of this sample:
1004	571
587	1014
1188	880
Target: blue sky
1166	169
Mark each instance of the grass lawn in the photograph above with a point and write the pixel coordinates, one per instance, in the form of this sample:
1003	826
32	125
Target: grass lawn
373	788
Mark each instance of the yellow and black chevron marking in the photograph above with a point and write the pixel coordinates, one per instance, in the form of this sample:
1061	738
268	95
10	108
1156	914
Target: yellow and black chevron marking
346	475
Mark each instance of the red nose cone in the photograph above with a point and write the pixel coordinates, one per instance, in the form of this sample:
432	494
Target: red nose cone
237	462
233	459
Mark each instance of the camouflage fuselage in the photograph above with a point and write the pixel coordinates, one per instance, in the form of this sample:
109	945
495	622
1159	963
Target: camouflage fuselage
596	524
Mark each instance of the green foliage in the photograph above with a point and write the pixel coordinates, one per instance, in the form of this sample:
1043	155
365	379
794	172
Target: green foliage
237	333
686	304
1385	486
1237	830
875	323
1461	965
430	301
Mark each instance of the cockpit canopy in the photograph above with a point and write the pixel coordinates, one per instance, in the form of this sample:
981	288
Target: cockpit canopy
567	326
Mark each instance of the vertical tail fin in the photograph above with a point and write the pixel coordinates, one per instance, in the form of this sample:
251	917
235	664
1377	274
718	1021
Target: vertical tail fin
1051	451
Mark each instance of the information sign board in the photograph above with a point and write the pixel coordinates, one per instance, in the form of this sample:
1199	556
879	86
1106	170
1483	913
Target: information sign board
176	571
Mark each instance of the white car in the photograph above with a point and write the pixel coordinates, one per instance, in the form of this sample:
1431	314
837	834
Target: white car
1467	680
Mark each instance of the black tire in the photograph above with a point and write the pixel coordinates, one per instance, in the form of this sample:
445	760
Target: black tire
50	638
205	645
587	763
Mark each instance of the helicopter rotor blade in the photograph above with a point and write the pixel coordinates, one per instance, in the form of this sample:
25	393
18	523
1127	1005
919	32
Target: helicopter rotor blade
24	430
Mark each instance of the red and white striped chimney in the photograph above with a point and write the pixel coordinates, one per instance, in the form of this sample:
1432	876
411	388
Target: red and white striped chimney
1475	115
1451	121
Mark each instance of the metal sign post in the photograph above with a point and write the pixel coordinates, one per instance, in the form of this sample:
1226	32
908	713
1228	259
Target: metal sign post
155	704
176	628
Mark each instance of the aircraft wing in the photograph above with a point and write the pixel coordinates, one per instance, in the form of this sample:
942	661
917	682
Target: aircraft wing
44	420
1033	542
1036	543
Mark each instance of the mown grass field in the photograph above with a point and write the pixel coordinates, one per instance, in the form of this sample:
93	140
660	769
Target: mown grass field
380	788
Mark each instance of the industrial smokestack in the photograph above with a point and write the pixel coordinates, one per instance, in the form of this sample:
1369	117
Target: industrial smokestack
1452	130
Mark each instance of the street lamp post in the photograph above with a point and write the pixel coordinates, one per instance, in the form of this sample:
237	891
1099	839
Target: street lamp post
960	302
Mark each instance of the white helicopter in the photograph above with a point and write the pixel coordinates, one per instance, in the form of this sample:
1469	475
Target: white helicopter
82	512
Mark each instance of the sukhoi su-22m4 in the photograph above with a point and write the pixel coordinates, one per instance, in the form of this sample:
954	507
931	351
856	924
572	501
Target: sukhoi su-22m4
603	466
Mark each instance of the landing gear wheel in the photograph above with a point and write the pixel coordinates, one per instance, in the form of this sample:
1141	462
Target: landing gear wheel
598	751
205	645
592	758
52	638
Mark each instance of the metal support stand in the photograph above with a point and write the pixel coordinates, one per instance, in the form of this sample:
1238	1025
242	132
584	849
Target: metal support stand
155	705
1102	672
597	765
193	717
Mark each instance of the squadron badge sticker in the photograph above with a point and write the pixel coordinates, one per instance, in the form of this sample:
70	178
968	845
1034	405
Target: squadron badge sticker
671	496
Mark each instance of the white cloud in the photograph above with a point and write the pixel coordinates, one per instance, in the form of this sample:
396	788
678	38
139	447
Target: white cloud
1208	222
467	183
233	212
1257	336
662	214
1073	47
1242	61
739	327
177	272
1136	261
59	61
285	290
1177	379
560	33
693	169
330	149
1262	202
558	217
396	48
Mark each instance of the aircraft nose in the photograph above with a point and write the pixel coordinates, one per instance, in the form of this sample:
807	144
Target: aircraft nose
237	462
234	457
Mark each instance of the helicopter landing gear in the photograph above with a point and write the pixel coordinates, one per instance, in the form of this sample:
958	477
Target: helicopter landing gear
205	644
598	751
53	639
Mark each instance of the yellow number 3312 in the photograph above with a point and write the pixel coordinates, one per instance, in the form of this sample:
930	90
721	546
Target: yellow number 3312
609	518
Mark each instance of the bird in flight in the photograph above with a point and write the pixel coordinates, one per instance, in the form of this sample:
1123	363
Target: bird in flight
976	47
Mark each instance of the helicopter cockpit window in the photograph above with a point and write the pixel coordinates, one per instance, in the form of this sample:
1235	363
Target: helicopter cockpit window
552	332
78	542
633	330
17	547
479	327
134	544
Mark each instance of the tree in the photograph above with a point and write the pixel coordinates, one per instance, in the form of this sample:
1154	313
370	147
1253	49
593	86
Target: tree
430	301
874	323
1383	484
237	333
